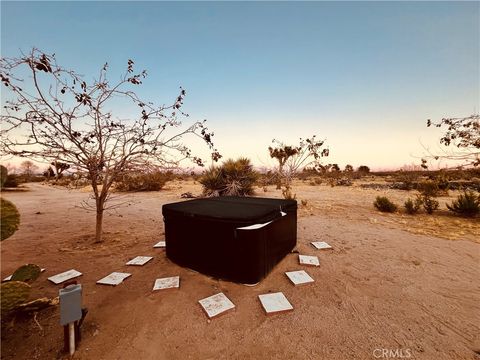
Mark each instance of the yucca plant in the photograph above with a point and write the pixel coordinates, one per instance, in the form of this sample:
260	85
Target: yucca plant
233	177
212	181
467	204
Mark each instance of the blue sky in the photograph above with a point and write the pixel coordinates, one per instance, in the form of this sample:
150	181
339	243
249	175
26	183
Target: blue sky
363	75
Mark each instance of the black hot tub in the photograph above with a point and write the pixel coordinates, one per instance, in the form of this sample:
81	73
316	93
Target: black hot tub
239	239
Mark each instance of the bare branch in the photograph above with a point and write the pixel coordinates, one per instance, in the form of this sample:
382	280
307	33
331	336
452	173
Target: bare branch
58	116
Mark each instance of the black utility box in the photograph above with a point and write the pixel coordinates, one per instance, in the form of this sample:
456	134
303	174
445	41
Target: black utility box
238	239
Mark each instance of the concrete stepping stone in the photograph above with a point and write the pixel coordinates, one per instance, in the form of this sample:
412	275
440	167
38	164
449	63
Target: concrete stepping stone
321	245
140	260
113	279
167	283
160	244
299	277
216	305
67	275
275	303
308	260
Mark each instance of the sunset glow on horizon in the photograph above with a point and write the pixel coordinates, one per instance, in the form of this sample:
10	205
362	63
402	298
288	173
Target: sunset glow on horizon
364	76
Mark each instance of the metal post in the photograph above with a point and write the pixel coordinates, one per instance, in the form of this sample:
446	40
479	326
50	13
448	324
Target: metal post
71	334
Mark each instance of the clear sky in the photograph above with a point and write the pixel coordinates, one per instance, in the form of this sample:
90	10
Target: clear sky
363	75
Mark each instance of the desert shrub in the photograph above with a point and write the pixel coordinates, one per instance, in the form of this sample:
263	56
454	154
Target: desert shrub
429	203
412	206
34	178
288	195
316	181
383	204
344	182
429	188
467	204
428	191
149	181
11	181
233	177
442	180
10	219
363	169
63	181
407	180
268	178
49	173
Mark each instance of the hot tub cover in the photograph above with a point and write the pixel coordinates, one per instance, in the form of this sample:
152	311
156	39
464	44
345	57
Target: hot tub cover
233	238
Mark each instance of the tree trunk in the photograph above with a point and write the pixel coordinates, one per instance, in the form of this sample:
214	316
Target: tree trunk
100	199
99	223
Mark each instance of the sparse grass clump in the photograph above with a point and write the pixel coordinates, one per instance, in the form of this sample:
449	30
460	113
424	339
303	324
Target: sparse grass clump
232	178
383	204
10	219
467	204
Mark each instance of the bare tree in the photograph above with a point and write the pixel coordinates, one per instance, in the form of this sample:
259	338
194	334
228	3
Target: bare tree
308	153
58	116
462	133
28	169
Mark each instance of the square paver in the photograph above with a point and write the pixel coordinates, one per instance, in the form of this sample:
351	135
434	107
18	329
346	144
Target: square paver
216	305
275	303
67	275
160	244
167	283
140	260
299	277
113	279
308	260
321	245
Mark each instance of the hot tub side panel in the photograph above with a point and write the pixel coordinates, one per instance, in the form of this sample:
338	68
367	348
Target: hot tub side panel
214	248
281	239
219	249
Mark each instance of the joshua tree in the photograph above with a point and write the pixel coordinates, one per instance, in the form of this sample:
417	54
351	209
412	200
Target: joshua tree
291	159
462	133
55	113
59	167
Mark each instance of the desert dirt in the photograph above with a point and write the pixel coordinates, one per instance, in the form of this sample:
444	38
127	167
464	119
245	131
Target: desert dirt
405	284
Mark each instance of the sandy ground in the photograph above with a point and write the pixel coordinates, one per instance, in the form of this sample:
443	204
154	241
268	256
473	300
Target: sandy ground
395	286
